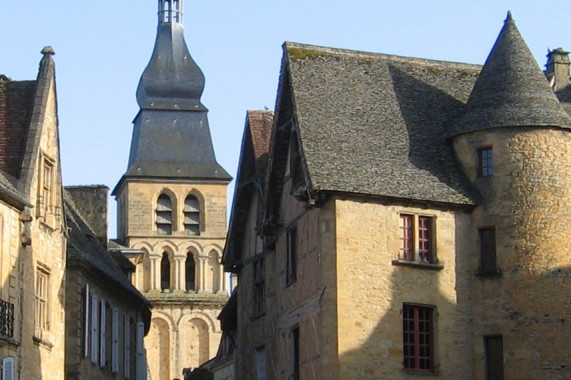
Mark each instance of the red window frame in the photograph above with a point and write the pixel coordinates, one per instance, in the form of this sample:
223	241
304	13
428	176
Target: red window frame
485	162
425	239
407	237
418	338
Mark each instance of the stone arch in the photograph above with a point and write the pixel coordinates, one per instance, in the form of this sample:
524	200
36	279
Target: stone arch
215	271
167	267
158	343
165	206
200	315
196	332
194	214
191	270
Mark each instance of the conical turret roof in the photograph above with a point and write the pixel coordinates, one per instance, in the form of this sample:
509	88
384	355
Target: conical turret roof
511	90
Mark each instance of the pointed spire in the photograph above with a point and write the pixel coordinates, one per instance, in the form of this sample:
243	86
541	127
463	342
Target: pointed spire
172	80
171	136
511	90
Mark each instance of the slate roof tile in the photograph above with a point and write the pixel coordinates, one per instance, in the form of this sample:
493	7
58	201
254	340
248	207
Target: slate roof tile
376	124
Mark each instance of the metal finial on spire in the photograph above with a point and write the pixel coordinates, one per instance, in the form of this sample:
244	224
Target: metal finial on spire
509	17
170	12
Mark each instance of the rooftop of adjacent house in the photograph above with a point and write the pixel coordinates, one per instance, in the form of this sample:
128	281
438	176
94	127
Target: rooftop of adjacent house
16	103
381	118
84	247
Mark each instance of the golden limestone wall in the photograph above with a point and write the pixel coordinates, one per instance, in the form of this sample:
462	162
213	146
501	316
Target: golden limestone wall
371	290
44	352
10	277
528	200
184	330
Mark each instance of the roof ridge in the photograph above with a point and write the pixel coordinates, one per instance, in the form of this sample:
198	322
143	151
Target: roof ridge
358	53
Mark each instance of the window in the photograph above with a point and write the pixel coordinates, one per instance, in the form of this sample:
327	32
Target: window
45	196
295	360
42	300
259	279
418	337
488	250
291	255
494	351
164	215
165	272
192	215
417	238
485	162
190	272
6	319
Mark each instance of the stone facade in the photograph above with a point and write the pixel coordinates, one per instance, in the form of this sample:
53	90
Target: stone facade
407	224
32	234
184	330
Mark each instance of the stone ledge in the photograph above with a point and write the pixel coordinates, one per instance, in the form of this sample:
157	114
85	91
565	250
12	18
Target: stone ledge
418	265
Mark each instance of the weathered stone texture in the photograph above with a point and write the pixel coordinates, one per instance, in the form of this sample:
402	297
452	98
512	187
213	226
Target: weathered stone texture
527	199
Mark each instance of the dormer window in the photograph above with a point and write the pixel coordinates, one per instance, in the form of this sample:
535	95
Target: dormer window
485	162
192	215
164	215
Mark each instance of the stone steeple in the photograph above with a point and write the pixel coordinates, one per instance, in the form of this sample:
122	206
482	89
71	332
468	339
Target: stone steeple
511	90
171	136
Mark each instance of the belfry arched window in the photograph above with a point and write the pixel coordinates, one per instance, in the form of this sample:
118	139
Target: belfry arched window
190	272
164	215
165	272
192	215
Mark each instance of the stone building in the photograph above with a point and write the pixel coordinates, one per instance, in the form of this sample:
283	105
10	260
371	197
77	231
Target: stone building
106	317
412	218
172	206
32	228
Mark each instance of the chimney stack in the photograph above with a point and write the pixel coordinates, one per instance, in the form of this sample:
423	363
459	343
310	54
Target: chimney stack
557	68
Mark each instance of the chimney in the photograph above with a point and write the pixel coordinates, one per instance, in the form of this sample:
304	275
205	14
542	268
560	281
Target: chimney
91	201
557	68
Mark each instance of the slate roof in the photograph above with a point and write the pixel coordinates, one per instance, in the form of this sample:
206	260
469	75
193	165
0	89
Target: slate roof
511	90
84	248
171	134
376	124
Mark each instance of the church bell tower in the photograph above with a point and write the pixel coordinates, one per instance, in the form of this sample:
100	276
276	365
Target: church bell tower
172	205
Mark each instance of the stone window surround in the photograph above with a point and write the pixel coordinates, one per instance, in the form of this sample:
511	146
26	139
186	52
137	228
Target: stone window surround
415	238
179	211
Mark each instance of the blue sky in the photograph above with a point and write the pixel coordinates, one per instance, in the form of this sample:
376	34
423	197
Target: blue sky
103	46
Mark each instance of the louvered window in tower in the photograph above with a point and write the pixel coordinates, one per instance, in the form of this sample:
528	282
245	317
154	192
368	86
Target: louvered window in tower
192	215
164	215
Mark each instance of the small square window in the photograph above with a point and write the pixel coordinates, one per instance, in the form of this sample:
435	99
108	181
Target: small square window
485	162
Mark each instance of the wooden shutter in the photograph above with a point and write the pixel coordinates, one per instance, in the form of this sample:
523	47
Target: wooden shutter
94	329
102	334
141	362
87	316
127	345
115	340
8	368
